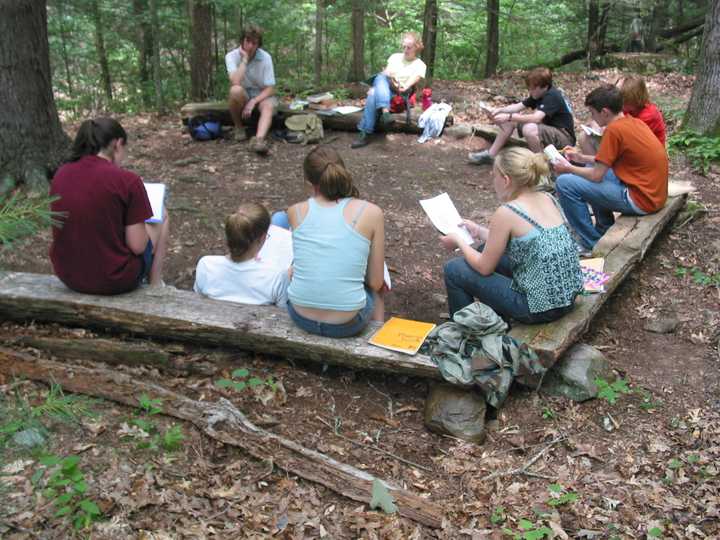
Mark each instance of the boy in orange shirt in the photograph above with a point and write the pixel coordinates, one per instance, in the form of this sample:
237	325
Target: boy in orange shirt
629	173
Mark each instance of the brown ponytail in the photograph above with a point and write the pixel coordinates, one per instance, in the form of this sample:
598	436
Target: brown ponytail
95	135
325	169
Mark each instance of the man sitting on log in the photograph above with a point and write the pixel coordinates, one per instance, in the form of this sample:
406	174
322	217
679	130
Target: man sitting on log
550	122
629	173
252	88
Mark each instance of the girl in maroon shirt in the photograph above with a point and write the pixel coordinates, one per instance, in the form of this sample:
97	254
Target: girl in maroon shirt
103	245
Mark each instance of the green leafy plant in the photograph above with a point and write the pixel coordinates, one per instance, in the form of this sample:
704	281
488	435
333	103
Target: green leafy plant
548	413
700	149
153	439
498	516
647	402
527	530
241	380
559	496
655	532
611	391
698	276
66	488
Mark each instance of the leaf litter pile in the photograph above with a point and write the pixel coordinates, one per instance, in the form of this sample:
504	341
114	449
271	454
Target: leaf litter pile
641	461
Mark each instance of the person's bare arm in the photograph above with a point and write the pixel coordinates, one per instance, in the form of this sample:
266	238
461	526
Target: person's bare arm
136	237
411	83
237	76
594	173
374	276
535	117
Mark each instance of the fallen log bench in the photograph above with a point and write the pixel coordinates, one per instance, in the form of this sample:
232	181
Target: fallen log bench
339	122
173	314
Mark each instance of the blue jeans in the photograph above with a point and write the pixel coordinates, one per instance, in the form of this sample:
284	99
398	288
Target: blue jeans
351	328
379	98
280	218
605	197
464	284
147	261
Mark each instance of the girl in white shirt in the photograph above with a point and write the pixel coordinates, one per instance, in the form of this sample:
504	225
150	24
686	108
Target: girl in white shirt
242	276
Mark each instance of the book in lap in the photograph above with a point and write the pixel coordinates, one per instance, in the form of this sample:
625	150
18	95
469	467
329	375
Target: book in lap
156	194
402	335
445	217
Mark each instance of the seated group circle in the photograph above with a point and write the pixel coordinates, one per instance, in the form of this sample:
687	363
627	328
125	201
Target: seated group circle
525	264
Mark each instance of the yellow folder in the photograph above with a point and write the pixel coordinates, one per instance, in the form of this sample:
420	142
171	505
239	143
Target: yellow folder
402	335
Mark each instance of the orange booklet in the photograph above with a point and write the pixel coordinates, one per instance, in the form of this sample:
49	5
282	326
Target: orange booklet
402	335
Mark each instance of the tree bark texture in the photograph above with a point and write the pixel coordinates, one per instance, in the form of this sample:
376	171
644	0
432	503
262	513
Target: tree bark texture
492	45
703	114
658	21
64	38
357	67
201	52
319	20
429	36
100	47
32	142
223	422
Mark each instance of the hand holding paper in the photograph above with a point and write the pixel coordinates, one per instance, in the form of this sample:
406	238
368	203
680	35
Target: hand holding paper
445	217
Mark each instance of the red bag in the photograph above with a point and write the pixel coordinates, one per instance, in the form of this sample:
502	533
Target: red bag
397	103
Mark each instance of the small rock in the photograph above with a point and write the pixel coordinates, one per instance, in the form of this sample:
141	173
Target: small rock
460	412
574	375
458	131
28	438
663	325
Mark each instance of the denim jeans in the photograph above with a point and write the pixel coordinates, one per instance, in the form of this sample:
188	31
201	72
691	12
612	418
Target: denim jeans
351	328
379	98
464	284
605	197
280	218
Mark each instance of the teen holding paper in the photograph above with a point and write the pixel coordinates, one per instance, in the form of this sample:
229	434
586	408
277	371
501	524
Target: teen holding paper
103	245
526	267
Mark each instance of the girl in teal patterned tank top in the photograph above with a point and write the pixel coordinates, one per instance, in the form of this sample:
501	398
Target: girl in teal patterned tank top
526	265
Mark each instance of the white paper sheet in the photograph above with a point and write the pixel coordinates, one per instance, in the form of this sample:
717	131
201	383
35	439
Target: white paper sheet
277	247
445	217
347	109
156	194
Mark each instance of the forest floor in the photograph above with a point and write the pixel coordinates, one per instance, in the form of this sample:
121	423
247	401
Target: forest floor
655	474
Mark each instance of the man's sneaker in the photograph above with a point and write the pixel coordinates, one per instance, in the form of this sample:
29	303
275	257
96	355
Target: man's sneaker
239	135
386	119
363	139
481	158
259	146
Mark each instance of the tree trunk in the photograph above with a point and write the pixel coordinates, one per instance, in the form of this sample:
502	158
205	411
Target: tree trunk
64	38
155	29
32	142
319	16
429	36
357	67
144	44
657	23
100	46
201	52
492	48
598	15
703	114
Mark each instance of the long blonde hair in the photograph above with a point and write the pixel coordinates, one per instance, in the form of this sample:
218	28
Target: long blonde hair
523	167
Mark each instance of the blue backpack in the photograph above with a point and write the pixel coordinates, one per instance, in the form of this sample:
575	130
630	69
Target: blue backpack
203	128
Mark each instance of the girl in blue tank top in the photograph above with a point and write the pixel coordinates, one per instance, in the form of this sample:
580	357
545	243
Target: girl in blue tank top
526	267
338	252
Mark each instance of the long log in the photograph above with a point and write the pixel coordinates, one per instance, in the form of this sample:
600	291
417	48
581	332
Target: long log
223	422
339	122
169	313
113	352
623	247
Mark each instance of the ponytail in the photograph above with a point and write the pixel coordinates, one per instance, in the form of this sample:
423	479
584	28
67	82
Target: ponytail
96	135
325	169
523	167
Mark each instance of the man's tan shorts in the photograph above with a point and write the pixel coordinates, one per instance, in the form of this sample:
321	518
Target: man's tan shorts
555	136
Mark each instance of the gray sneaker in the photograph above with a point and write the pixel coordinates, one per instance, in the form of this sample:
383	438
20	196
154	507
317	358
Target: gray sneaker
481	158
